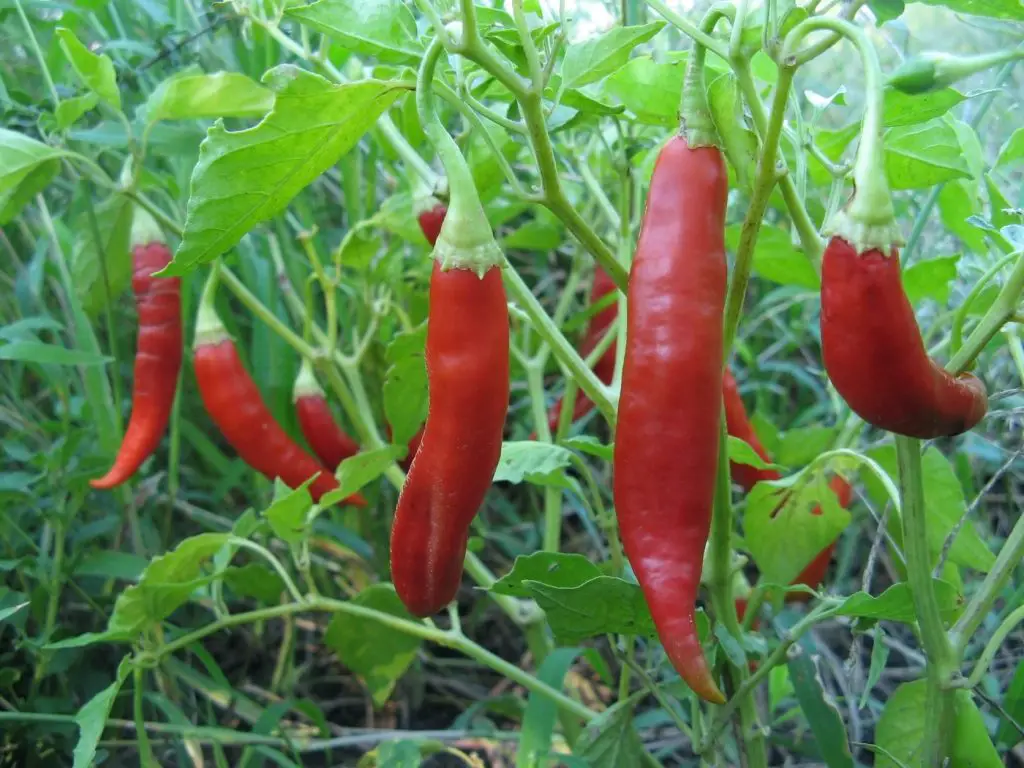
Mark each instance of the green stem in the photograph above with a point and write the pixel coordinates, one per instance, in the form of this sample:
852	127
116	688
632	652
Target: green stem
805	227
1001	311
767	176
720	584
562	349
265	314
689	29
426	632
750	685
1007	561
37	51
145	749
956	334
942	663
992	647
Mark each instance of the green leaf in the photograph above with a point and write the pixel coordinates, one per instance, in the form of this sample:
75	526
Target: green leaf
49	354
405	386
554	569
603	605
96	70
383	29
103	264
799	446
900	730
6	613
541	710
930	279
789	521
923	155
821	711
92	717
398	754
740	452
255	580
356	471
530	461
944	500
776	258
197	96
649	89
69	111
246	177
896	603
886	10
596	57
879	658
543	232
910	109
376	652
27	166
288	515
167	583
1012	151
610	740
995	9
590	445
111	564
738	141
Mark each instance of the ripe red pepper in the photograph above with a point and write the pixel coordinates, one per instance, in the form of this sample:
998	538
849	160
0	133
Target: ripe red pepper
431	220
874	354
604	368
237	409
468	368
157	359
666	446
738	425
330	444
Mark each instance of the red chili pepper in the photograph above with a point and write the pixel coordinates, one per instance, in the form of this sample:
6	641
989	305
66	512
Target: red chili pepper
330	444
468	369
604	368
236	407
738	425
666	446
157	361
874	354
431	221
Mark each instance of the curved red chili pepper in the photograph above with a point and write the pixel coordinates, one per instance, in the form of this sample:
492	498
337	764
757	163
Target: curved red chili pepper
666	446
328	441
431	221
237	409
604	368
874	354
157	361
468	369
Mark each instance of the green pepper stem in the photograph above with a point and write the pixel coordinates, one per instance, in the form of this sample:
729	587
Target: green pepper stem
869	221
466	240
209	328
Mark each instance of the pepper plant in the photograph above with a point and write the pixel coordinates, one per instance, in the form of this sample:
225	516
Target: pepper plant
577	383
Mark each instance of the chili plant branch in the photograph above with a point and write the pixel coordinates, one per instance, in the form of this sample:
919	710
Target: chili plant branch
942	663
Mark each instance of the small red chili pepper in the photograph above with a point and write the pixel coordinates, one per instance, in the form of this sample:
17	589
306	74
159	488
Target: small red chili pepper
604	368
874	354
666	446
157	357
237	409
431	221
330	444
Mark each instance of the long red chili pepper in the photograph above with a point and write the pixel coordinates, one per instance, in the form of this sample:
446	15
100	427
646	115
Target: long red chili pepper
467	356
468	368
330	444
874	354
666	446
237	409
738	425
157	358
604	368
